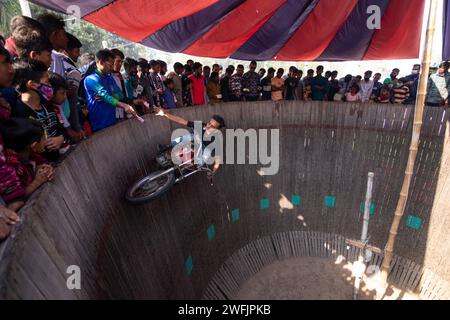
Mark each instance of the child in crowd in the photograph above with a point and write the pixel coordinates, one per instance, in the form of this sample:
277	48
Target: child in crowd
60	87
187	97
400	92
308	93
213	88
385	95
354	95
169	99
24	170
31	81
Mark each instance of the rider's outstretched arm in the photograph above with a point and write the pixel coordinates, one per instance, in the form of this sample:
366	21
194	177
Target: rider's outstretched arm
172	117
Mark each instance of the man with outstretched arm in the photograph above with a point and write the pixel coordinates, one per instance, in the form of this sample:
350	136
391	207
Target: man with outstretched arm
102	93
215	124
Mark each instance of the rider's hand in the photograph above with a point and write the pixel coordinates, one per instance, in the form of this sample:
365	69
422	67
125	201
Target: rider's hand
159	111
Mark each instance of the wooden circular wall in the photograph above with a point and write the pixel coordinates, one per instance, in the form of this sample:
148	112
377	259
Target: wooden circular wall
173	247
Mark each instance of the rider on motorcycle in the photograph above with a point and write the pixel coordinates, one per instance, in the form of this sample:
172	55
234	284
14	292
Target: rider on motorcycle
215	124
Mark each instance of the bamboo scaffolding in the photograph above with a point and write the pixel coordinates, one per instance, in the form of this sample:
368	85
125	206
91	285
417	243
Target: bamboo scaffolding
418	116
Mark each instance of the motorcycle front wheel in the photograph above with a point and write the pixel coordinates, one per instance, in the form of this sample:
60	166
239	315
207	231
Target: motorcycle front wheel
150	187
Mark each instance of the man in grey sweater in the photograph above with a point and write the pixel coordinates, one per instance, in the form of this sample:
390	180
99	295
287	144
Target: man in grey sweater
439	86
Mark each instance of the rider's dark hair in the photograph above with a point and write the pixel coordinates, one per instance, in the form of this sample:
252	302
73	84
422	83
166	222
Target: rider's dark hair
220	120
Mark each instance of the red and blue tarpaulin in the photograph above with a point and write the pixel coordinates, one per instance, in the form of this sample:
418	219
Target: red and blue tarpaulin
446	33
288	30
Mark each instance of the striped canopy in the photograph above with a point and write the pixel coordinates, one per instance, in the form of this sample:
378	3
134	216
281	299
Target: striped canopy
288	30
446	33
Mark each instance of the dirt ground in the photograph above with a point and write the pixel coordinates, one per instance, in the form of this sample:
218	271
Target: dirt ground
310	278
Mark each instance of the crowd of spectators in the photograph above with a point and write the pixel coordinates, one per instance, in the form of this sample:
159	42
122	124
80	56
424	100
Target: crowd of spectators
52	97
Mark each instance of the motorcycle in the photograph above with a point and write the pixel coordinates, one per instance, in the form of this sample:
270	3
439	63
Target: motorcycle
159	182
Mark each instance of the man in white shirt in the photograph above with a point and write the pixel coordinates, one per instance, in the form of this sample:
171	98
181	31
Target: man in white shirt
366	86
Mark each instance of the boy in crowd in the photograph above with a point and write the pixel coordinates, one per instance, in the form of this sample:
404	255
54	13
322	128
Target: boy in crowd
198	85
319	85
216	68
73	78
377	85
213	88
236	84
162	73
35	47
22	27
333	86
206	74
31	81
250	82
262	73
278	86
24	170
400	91
169	98
156	82
54	28
186	84
178	86
119	57
290	85
299	93
266	85
412	81
143	88
225	85
307	79
6	79
392	79
354	95
129	73
385	95
439	86
102	94
60	88
366	86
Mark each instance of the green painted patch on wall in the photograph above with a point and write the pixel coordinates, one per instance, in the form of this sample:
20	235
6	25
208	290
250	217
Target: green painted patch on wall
413	222
372	208
264	204
211	232
330	201
189	264
296	200
235	215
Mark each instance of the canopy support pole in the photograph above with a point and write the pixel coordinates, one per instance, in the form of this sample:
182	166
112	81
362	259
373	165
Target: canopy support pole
414	146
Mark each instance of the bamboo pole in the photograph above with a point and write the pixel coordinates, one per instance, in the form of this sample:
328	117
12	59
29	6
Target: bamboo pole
418	116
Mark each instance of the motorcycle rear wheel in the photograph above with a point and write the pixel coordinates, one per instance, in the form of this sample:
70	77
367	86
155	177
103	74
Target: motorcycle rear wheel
150	187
